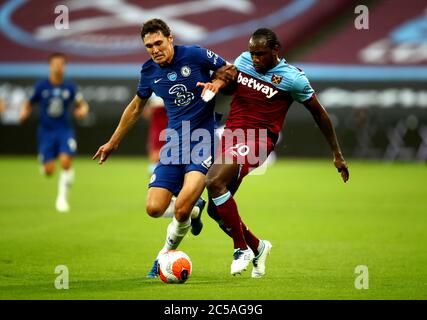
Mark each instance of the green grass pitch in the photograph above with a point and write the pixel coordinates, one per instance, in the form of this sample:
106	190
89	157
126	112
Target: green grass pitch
321	230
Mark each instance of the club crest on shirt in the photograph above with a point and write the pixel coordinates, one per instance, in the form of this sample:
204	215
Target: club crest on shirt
307	89
276	79
65	94
153	178
185	71
172	76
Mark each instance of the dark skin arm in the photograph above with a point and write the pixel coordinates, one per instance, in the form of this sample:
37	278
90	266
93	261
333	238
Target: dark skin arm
222	78
324	123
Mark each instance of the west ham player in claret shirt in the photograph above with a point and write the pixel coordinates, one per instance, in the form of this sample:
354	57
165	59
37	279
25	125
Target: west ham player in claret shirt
172	73
264	87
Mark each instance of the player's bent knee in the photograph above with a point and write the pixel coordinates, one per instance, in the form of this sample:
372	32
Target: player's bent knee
48	173
214	185
66	166
48	170
154	211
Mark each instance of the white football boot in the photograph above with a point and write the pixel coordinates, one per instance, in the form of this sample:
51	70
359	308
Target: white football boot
241	260
62	204
259	261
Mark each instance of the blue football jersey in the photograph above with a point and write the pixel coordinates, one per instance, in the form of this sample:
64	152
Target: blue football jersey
176	85
54	102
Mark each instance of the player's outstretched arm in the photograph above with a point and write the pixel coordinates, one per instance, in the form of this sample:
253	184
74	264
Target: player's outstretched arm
324	122
128	119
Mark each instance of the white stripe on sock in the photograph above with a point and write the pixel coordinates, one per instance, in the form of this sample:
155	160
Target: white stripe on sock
222	198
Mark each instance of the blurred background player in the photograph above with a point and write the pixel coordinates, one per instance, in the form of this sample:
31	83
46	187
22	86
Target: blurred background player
155	112
56	139
265	86
172	73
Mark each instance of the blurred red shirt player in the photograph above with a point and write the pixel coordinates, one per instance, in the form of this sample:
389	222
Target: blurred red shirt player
155	113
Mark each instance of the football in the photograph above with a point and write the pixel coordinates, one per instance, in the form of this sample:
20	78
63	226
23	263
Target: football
174	267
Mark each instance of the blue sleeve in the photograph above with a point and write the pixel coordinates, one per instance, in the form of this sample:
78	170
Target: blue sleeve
209	59
36	94
144	90
301	88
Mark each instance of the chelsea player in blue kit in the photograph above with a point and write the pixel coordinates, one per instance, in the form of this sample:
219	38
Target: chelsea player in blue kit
172	73
56	138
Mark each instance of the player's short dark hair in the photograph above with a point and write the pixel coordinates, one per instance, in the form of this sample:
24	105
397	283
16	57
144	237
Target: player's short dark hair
56	55
153	26
269	36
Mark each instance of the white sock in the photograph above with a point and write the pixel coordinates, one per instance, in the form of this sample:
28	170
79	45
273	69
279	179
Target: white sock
170	211
195	212
175	233
260	247
66	179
